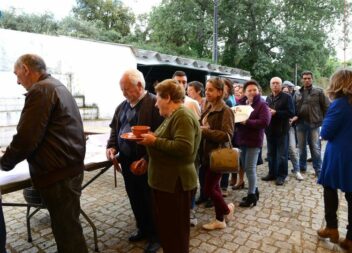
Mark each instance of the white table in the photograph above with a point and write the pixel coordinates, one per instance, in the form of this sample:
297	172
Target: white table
19	177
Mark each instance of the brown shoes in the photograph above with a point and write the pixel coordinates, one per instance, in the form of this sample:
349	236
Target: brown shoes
331	233
346	244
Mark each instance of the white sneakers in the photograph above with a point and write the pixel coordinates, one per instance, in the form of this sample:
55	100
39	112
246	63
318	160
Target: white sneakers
215	224
298	176
193	219
229	216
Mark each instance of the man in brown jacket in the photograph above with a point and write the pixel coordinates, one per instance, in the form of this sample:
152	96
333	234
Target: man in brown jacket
50	136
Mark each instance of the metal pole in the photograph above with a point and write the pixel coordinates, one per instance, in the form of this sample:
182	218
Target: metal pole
215	37
296	74
344	32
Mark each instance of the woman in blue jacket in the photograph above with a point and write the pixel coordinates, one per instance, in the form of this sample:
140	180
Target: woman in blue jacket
336	171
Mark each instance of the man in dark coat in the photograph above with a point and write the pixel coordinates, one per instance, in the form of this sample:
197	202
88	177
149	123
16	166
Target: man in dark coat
282	109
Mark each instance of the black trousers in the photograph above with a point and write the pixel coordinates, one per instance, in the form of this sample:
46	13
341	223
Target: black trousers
139	194
2	231
331	203
62	200
278	156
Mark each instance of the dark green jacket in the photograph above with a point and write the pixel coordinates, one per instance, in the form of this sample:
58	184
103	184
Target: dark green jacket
173	154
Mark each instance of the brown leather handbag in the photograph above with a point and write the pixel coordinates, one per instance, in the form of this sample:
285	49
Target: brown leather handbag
225	159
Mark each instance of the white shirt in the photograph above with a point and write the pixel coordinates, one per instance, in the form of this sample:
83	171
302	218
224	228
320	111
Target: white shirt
193	105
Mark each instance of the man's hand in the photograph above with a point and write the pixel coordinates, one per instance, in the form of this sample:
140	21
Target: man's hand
110	153
273	112
293	120
111	156
139	167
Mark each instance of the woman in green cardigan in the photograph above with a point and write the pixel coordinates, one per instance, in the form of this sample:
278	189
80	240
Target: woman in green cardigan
172	150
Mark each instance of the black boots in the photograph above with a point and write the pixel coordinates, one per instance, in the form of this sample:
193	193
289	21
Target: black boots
251	200
256	194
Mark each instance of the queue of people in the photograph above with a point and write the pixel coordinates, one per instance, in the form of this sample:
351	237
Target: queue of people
183	132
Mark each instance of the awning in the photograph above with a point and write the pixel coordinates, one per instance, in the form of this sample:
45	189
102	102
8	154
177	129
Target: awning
157	67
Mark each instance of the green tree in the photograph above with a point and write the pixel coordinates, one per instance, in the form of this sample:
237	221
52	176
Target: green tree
184	26
267	38
74	27
112	13
44	24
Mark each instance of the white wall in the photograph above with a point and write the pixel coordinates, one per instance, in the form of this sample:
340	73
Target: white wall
95	68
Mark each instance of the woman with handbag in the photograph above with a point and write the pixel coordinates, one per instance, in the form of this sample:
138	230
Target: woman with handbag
250	138
217	123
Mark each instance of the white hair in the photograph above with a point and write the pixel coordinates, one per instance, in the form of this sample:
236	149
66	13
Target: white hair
135	76
276	78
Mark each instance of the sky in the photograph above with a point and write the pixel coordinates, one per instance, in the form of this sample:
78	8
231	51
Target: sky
61	8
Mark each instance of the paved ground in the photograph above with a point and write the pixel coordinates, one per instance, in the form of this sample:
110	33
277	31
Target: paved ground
285	220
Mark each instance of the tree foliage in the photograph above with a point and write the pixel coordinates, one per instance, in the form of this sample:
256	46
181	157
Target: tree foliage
112	14
184	26
266	37
44	24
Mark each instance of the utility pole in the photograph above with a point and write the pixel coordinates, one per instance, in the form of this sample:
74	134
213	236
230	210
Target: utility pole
296	70
215	36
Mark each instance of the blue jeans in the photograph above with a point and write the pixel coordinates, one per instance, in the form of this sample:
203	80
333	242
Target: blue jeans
224	182
2	231
249	159
306	133
292	149
201	178
278	156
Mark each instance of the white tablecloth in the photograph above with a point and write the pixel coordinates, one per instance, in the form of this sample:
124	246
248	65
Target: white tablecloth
95	152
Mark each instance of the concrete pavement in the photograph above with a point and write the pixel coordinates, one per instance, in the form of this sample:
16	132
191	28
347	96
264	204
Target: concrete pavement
285	220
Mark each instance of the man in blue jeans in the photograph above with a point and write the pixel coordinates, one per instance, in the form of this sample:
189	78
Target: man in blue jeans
282	109
311	106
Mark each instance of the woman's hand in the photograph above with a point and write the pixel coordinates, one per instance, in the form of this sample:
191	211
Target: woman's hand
243	122
148	139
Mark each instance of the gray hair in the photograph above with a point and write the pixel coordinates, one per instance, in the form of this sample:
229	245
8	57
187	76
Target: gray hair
288	84
32	61
277	78
135	76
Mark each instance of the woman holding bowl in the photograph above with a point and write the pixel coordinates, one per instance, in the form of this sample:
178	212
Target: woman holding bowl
172	150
